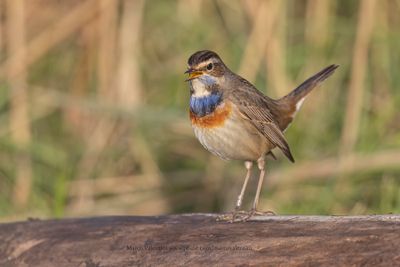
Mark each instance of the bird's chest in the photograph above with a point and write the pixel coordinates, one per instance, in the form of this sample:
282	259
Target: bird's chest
224	133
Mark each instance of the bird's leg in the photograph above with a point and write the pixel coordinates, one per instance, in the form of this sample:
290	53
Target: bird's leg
248	165
261	167
247	215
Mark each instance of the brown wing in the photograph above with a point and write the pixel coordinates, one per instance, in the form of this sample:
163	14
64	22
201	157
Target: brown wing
254	106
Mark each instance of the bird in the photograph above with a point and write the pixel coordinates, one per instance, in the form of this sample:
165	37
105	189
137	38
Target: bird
233	120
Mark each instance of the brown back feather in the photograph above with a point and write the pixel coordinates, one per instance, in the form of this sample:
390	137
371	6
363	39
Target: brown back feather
256	107
271	117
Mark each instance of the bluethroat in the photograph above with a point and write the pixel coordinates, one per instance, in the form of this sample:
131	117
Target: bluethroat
235	121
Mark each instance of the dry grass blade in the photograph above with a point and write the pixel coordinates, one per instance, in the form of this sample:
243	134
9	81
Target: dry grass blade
189	9
19	109
107	34
332	167
383	103
355	97
318	35
1	30
51	36
318	25
101	132
358	73
74	115
255	48
275	57
129	85
98	141
141	149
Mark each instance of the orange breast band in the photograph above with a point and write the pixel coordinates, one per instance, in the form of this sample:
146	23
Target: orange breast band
214	119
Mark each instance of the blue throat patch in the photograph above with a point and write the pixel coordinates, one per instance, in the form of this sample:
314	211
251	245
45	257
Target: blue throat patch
202	106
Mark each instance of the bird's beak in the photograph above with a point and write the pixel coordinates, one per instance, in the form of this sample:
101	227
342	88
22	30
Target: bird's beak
193	74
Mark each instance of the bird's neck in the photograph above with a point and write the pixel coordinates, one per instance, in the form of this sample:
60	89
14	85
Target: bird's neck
204	105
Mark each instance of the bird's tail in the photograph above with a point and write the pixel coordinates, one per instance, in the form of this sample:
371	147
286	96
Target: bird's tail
292	102
303	89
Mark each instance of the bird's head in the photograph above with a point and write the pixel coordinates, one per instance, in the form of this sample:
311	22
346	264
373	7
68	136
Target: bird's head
205	66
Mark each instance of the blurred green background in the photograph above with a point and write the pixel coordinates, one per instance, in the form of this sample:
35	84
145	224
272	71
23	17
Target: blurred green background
94	107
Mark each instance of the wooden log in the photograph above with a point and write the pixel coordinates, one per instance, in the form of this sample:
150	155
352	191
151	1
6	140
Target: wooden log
198	239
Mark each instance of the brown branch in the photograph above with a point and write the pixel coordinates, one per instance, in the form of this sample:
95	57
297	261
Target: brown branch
199	240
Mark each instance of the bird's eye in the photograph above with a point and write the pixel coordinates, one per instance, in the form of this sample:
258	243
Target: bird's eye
209	66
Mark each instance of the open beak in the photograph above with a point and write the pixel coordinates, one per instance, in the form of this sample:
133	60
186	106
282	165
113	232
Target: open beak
193	74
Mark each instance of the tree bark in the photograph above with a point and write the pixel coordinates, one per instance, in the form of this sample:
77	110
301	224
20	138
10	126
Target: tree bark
198	239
